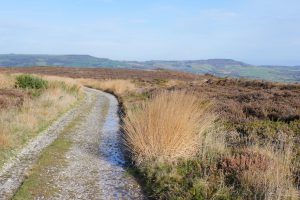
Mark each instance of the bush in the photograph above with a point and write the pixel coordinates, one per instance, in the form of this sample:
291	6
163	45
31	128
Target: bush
31	82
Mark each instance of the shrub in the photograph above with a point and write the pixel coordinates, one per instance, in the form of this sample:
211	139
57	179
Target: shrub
167	127
30	82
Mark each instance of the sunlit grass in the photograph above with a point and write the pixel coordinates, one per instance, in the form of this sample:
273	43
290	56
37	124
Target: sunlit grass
19	124
118	86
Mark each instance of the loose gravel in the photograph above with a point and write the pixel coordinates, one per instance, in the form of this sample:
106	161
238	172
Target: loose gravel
94	163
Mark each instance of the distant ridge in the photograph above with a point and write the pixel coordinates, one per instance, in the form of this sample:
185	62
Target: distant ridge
219	67
26	60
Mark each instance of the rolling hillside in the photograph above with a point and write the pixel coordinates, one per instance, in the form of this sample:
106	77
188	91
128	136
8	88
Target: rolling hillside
218	67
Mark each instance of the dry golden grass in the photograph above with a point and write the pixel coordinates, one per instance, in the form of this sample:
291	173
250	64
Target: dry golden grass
276	182
4	139
118	86
6	81
213	143
69	85
174	82
265	171
174	125
19	124
66	80
168	127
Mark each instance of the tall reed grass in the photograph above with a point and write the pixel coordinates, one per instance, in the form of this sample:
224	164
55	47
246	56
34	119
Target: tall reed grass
168	127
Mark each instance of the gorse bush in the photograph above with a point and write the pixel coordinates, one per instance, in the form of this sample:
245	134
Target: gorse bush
30	82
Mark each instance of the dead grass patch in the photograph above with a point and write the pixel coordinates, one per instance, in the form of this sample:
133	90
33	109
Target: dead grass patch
117	86
6	81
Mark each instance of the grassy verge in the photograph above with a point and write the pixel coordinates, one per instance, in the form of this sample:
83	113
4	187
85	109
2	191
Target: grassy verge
25	112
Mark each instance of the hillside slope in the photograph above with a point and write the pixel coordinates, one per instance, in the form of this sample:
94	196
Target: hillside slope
218	67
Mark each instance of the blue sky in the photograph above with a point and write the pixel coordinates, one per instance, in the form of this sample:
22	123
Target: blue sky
253	31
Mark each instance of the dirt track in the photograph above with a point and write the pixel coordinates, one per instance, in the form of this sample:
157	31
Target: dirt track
93	166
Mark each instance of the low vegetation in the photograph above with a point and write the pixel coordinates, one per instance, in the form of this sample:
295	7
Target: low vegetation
203	137
243	145
28	104
117	86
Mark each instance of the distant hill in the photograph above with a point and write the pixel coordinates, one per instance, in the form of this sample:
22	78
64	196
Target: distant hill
218	67
19	60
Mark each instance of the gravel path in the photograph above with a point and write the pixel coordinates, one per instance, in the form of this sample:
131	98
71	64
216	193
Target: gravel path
94	162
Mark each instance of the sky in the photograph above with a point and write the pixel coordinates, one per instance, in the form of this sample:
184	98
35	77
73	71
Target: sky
253	31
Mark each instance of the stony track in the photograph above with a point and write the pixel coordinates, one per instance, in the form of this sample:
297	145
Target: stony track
94	164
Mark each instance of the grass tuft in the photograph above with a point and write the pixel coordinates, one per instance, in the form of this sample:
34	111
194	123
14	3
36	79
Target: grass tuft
167	127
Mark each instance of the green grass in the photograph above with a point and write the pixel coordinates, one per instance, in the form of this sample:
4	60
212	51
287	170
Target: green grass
35	185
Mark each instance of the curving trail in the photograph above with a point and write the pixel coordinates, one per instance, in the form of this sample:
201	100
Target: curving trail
93	165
